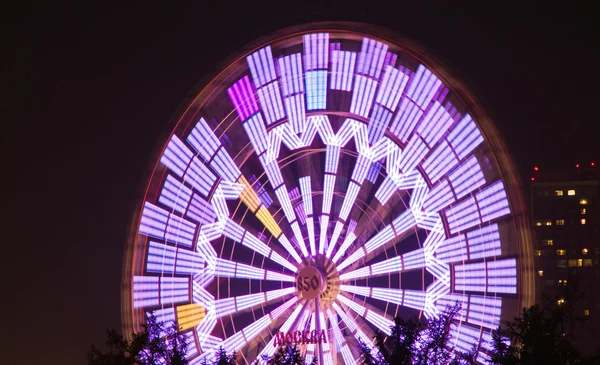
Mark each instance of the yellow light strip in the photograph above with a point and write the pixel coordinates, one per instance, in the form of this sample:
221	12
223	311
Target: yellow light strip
267	219
189	316
248	195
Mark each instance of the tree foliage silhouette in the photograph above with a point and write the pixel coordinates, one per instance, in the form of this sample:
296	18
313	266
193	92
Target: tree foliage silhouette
542	334
412	343
154	345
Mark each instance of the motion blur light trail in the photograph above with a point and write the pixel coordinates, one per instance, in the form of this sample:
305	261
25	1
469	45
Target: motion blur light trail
328	180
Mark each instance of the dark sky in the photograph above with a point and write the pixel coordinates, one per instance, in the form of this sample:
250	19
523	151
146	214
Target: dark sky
89	92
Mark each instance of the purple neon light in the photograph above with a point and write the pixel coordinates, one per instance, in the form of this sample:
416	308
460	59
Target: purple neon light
493	202
291	74
272	170
463	215
334	237
371	57
435	124
145	291
174	290
382	237
423	87
465	137
347	242
261	66
257	133
498	276
439	197
200	177
380	118
158	223
243	97
328	190
349	199
392	86
357	255
441	160
176	156
413	154
385	325
271	103
484	242
295	110
406	119
175	195
332	158
316	51
363	95
223	164
203	140
342	69
467	177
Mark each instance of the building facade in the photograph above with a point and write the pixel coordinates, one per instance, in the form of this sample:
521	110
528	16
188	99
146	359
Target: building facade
566	217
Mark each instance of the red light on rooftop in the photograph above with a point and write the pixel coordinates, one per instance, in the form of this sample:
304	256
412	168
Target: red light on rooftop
577	166
535	168
593	164
533	179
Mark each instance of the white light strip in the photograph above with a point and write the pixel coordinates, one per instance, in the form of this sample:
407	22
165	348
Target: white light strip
347	242
334	237
323	237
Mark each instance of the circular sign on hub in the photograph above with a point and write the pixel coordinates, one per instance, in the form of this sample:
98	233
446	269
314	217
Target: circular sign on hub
309	282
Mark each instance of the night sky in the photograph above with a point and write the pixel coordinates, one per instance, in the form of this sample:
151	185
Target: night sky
89	92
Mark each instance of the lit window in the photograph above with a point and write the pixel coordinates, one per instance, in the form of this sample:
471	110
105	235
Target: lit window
579	262
571	192
561	263
561	301
573	263
537	253
586	312
583	221
587	262
583	201
558	192
549	242
562	282
538	223
541	272
561	252
560	222
583	211
584	251
548	223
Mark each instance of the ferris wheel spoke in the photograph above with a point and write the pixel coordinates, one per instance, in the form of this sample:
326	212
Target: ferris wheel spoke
409	261
231	269
414	299
394	231
238	234
306	191
371	314
269	348
225	306
354	328
243	337
341	343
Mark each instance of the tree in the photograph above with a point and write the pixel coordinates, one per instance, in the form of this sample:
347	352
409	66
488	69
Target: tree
288	355
155	344
542	334
412	343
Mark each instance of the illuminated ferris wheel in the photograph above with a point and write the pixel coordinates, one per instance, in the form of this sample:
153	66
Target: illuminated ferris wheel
324	182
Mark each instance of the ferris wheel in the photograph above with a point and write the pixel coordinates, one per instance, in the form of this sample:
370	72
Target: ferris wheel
326	181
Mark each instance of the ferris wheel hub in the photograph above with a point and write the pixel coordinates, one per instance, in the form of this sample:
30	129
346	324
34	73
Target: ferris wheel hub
318	277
